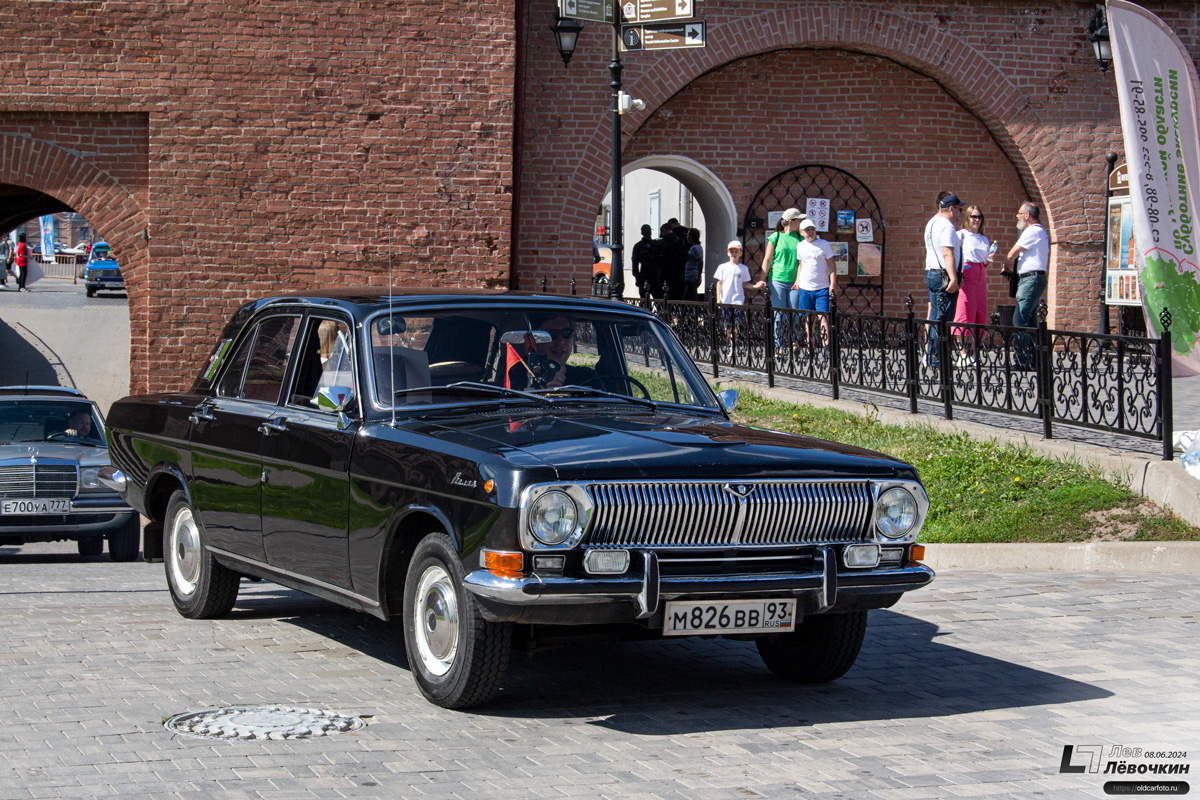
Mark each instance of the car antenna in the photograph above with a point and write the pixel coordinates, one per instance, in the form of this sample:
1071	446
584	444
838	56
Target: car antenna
391	329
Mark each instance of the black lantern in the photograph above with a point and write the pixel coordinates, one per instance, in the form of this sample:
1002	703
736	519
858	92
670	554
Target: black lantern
1098	35
566	33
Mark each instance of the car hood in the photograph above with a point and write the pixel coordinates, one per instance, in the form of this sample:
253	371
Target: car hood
643	444
105	263
19	452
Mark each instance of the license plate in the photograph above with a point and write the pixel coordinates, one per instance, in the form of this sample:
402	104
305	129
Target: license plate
729	616
41	505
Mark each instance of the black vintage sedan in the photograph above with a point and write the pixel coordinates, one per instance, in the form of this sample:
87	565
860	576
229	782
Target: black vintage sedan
483	463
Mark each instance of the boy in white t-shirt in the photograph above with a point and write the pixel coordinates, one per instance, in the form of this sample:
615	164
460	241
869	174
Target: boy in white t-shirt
732	278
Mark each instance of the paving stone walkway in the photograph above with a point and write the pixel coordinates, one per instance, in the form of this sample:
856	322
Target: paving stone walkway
970	688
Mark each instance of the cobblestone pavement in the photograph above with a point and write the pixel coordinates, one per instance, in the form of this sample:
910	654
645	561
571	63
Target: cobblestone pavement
970	688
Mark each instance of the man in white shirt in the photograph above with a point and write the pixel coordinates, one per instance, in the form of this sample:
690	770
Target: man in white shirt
1030	257
943	247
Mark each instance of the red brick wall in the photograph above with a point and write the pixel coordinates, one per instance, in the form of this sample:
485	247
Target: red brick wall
1043	114
282	146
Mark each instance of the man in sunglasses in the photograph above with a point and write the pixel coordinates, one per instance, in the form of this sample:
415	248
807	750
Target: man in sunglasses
559	348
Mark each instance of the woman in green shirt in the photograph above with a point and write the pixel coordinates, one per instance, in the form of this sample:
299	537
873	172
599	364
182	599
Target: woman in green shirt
779	266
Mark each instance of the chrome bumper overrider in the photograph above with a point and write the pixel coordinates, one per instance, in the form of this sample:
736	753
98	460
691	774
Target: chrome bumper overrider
649	588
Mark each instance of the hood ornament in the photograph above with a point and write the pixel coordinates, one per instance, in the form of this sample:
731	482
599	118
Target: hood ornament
33	454
741	490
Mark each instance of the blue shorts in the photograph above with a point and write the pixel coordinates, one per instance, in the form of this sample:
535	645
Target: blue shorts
814	301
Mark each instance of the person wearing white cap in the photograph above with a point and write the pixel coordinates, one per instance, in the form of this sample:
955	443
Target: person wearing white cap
779	267
732	277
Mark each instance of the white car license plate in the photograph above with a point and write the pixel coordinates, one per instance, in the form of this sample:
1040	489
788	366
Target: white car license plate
729	616
41	505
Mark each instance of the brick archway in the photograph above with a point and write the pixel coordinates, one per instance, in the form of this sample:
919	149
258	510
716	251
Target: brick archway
966	73
113	210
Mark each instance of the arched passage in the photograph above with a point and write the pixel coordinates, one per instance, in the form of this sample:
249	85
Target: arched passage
708	191
95	165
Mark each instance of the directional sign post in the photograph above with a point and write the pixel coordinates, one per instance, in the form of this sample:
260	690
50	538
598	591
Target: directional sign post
591	10
668	36
639	11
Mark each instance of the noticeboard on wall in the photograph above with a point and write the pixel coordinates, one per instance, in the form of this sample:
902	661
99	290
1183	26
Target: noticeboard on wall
1122	287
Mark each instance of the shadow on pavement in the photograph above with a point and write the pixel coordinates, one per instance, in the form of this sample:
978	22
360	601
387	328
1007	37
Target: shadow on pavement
22	364
664	688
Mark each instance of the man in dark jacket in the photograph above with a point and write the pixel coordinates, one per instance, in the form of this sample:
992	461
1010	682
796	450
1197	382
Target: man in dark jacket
645	271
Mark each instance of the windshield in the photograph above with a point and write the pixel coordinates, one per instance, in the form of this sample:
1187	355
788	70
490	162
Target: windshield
102	252
74	422
527	355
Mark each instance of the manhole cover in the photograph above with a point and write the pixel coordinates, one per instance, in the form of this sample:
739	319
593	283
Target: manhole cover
262	722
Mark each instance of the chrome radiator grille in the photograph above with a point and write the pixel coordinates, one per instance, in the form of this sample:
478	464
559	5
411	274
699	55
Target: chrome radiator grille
728	513
38	480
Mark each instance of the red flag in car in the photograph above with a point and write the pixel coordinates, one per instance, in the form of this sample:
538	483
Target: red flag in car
512	359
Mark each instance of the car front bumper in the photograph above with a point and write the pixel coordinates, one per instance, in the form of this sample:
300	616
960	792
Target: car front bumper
554	599
87	518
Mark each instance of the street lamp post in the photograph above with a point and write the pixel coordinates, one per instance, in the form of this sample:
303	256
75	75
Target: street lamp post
616	271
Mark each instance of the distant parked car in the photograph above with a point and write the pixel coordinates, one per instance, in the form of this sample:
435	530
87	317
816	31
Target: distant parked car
52	446
101	273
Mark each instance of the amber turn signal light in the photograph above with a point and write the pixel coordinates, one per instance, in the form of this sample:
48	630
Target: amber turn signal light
502	564
916	553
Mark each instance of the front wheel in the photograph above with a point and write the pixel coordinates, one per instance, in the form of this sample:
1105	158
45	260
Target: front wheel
90	291
457	657
200	587
821	649
123	544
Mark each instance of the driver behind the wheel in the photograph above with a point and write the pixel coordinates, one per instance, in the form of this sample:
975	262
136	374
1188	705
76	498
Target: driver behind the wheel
79	424
557	350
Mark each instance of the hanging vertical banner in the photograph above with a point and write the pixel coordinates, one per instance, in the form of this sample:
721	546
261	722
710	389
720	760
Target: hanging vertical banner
1159	95
47	238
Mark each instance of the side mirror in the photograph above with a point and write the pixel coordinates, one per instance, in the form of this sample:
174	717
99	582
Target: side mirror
728	398
335	398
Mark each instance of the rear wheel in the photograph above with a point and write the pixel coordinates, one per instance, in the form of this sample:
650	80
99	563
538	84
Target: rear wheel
821	649
91	546
123	544
457	657
201	588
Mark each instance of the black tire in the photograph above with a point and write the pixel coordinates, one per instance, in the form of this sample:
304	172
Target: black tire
90	291
123	545
821	649
90	546
457	657
200	587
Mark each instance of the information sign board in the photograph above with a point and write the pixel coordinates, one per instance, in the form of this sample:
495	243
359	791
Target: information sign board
591	10
663	36
639	11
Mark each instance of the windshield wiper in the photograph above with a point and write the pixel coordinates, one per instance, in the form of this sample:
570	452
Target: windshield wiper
575	390
473	387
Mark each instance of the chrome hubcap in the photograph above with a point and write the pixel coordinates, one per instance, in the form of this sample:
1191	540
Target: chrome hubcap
436	623
184	551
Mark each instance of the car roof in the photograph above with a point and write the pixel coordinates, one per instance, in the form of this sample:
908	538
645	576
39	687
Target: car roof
364	300
41	391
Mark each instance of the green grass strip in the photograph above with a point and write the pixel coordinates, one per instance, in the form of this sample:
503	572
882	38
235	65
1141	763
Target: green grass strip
986	491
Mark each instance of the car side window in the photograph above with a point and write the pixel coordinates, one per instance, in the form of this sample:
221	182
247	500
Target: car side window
231	381
325	359
269	357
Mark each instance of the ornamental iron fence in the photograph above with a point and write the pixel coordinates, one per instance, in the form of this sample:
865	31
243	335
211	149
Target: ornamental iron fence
1105	382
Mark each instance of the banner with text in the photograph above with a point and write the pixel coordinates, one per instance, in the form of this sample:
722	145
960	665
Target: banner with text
1159	97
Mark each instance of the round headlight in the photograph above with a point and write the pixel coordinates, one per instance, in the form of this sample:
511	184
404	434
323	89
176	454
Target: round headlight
89	477
553	517
896	513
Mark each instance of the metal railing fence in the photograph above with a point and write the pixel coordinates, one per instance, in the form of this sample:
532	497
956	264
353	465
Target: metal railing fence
1106	382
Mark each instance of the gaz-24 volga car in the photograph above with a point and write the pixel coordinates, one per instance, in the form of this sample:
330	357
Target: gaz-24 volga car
482	463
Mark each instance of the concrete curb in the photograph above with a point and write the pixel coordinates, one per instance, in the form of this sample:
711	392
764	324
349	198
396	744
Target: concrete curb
1152	558
1165	483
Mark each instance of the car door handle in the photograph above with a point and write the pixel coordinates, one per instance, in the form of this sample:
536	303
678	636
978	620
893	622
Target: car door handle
270	426
200	415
